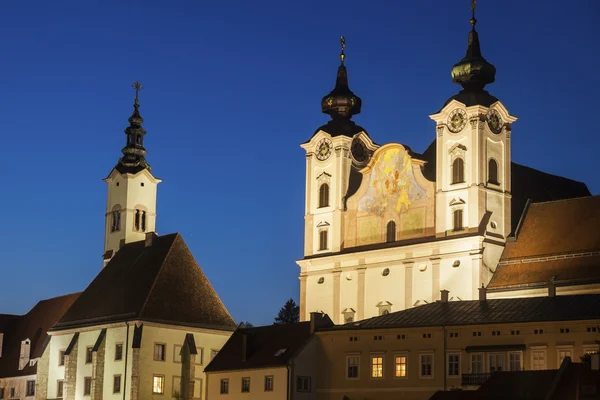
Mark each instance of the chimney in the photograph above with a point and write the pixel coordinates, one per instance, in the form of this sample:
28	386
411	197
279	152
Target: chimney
244	346
552	287
444	295
150	238
319	320
482	293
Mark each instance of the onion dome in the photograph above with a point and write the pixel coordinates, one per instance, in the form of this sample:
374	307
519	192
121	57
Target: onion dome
133	159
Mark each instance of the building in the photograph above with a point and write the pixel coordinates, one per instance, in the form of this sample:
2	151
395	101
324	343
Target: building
23	340
386	227
450	345
267	362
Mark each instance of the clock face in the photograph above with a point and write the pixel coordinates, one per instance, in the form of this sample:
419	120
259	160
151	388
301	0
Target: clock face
324	149
457	120
494	121
359	150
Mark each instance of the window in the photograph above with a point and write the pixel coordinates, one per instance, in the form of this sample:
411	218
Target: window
458	171
60	384
538	360
1	393
246	385
139	139
427	336
493	172
477	363
354	338
476	333
177	353
453	364
402	337
538	331
117	384
89	355
30	389
515	333
400	366
453	334
391	232
458	220
324	195
159	352
376	366
426	370
591	329
496	362
200	356
268	383
158	384
224	386
12	392
565	330
352	363
562	354
495	333
303	384
143	221
87	385
118	351
378	337
514	361
323	240
115	223
61	358
140	220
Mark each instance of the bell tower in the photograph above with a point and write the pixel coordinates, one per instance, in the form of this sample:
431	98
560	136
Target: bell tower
131	203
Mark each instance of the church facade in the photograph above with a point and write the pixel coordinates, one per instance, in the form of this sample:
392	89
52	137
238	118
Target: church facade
387	228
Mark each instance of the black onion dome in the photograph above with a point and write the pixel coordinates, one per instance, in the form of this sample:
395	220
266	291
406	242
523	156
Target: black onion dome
133	159
341	101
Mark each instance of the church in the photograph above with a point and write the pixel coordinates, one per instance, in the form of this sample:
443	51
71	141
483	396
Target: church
387	228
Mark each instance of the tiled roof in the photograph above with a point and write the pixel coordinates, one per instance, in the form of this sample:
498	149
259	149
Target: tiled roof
32	326
263	344
161	283
491	311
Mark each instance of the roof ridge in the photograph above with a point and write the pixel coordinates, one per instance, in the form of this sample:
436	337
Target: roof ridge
569	199
547	173
59	297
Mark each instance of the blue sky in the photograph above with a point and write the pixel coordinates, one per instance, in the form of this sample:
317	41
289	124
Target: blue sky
231	90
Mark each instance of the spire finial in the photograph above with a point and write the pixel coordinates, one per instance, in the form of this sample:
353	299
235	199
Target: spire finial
473	7
137	88
343	45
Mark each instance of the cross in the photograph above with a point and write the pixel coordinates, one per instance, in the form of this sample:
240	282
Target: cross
137	88
343	44
473	6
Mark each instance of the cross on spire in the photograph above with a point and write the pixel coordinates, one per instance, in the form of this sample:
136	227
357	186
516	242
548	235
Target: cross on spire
137	88
473	7
343	45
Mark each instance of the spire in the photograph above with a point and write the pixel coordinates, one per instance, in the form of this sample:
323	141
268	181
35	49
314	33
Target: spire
473	72
133	153
341	102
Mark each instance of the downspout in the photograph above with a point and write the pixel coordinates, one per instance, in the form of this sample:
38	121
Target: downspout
126	353
290	380
445	361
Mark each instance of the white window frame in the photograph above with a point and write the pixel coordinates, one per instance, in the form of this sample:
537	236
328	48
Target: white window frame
348	357
496	355
520	353
541	351
162	377
371	358
421	355
405	355
483	370
448	364
560	349
164	355
122	349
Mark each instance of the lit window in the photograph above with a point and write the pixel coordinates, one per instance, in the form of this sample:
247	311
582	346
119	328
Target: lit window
89	355
159	352
323	240
117	384
352	364
245	385
493	172
562	354
453	364
158	384
458	220
458	171
59	389
426	370
514	361
87	386
268	383
324	195
538	358
377	367
477	363
224	386
400	366
118	352
30	388
391	232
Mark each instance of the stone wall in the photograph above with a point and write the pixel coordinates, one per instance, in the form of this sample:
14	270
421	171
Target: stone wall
43	365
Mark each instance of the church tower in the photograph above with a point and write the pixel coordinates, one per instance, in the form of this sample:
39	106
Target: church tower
473	157
131	204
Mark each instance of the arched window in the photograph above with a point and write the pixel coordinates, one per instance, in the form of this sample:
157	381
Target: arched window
391	232
458	171
138	217
323	240
115	221
324	195
493	172
139	139
143	221
458	220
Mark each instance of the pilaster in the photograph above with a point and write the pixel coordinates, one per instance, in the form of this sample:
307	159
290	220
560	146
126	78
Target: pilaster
408	282
337	271
360	308
98	367
135	374
435	278
477	271
71	368
303	316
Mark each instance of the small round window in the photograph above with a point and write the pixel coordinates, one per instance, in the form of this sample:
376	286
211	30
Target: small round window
494	225
456	263
321	280
385	272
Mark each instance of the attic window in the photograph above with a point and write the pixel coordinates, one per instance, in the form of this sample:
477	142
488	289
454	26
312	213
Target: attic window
386	272
321	280
280	352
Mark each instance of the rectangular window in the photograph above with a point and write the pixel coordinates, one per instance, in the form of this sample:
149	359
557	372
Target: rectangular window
117	384
30	388
514	361
199	356
269	383
426	369
565	330
245	385
477	363
159	352
538	360
176	389
476	333
458	220
1	393
177	353
88	355
515	333
118	351
323	240
562	354
12	393
59	388
303	384
158	384
61	358
87	385
496	362
495	333
224	386
453	364
376	366
400	363
352	363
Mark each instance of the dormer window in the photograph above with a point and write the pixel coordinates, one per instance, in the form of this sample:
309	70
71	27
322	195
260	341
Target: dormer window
458	171
324	195
493	172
